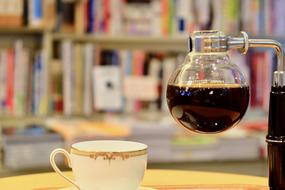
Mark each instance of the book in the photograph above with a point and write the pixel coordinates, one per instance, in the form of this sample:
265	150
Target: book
268	17
68	76
20	78
203	14
91	17
164	17
56	86
3	78
106	16
89	59
218	15
261	70
231	16
35	18
156	23
137	16
183	16
10	81
107	88
40	85
135	88
116	16
35	85
49	14
78	78
278	26
126	66
11	13
80	23
268	75
138	69
154	71
98	16
30	85
168	66
43	83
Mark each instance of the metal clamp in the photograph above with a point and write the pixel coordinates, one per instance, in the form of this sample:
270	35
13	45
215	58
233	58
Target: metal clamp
246	43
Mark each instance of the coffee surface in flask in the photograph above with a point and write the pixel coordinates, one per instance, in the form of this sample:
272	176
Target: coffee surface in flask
207	108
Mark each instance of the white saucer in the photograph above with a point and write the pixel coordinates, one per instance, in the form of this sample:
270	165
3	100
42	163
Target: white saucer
74	188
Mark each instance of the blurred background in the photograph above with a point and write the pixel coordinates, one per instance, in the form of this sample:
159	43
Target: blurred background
73	70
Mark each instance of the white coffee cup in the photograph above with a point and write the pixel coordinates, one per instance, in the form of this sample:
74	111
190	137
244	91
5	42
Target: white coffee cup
105	164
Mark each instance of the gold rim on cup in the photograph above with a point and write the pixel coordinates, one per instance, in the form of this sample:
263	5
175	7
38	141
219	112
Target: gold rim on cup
108	155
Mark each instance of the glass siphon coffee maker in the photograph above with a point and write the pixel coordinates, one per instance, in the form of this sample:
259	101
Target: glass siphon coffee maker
209	94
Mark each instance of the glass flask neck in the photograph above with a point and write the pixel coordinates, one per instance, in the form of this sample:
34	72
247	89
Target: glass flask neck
205	58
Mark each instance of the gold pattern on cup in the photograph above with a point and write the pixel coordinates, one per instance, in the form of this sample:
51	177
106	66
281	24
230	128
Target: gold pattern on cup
109	155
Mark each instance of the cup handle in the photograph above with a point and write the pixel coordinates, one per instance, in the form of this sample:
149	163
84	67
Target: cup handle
56	169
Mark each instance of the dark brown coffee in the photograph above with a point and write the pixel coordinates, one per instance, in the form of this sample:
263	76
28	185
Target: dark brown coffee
207	108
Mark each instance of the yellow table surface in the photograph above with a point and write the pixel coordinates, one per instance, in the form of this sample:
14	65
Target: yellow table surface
52	180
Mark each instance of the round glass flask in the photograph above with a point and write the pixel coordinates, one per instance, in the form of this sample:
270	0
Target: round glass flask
207	93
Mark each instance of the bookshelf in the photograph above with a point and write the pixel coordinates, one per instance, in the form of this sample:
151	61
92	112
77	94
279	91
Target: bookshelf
178	43
168	38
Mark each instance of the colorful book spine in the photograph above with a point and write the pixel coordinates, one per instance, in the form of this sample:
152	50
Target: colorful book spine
35	13
80	24
267	73
68	77
87	85
91	15
3	78
268	14
78	75
116	16
36	85
10	81
56	86
164	17
43	84
231	16
106	16
170	17
168	66
126	58
138	69
19	78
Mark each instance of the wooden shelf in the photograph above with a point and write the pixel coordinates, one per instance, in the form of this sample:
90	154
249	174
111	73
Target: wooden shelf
129	42
252	115
20	121
22	30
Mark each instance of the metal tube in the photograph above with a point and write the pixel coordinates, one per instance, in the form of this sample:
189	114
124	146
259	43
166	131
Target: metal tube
270	44
240	43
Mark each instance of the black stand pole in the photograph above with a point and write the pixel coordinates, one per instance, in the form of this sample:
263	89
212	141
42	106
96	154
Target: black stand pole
276	139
